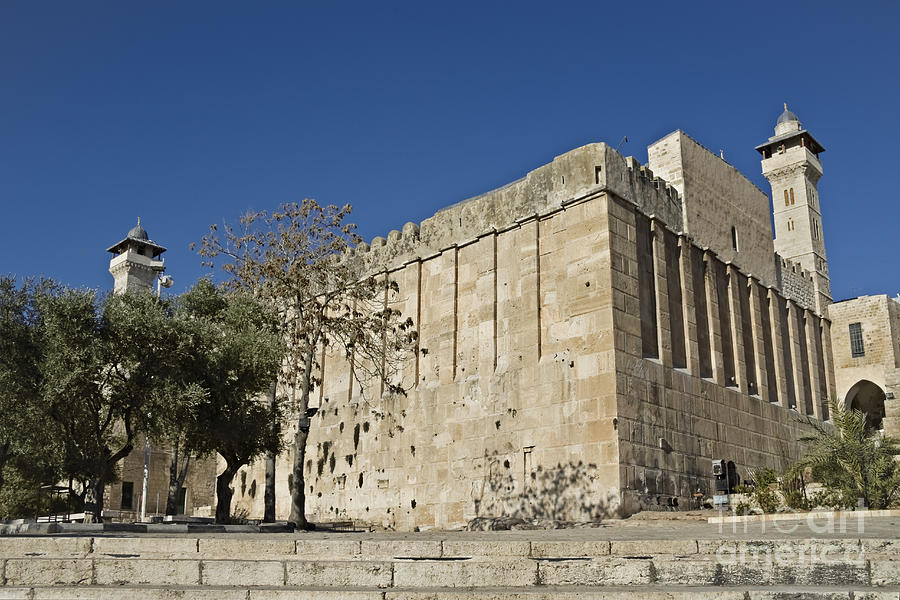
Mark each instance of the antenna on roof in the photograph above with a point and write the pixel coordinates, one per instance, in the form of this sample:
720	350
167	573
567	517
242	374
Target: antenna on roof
624	140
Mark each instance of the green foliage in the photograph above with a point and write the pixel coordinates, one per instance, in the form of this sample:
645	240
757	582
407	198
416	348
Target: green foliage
229	353
297	260
763	495
853	461
29	451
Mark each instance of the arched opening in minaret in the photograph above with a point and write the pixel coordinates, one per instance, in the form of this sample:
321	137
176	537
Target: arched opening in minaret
869	398
734	239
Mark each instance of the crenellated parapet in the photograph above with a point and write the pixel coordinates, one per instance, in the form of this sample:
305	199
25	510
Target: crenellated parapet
579	174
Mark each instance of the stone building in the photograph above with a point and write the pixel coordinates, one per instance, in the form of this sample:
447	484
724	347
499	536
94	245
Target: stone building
592	336
137	266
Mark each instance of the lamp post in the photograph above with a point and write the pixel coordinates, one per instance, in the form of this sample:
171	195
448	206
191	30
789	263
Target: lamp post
162	281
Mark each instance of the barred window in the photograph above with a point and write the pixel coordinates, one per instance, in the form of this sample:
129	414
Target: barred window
856	340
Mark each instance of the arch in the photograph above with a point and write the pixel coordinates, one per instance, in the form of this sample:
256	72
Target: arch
869	398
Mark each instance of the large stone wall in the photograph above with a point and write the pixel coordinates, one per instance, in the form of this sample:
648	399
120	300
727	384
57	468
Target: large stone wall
755	368
580	357
716	197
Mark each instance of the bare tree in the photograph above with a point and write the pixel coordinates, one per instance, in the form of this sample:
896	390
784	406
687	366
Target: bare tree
297	260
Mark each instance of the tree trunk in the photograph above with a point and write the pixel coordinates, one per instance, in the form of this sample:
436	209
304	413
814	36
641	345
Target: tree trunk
224	494
93	501
176	481
269	499
298	493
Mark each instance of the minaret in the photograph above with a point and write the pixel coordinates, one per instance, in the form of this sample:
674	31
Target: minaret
790	161
136	262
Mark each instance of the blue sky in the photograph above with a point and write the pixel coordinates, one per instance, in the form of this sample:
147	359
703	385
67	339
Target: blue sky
189	113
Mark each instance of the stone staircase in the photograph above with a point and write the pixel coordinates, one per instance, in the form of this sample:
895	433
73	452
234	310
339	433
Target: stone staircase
481	566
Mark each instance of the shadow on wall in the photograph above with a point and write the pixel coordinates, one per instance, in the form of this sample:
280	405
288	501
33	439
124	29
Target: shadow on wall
566	492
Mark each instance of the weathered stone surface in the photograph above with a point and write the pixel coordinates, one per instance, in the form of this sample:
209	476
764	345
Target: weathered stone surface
124	547
44	546
242	573
246	548
338	573
686	572
885	572
569	549
486	548
315	594
10	593
653	547
328	549
47	571
147	572
596	572
385	549
136	593
464	573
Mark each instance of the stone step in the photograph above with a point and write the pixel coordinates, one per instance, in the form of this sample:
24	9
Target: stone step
520	572
339	548
496	593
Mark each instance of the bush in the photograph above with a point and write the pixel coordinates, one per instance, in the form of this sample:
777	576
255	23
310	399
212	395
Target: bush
853	461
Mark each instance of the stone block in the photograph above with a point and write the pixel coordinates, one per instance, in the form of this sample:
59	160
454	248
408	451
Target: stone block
387	549
686	572
327	549
147	572
131	547
653	547
242	573
881	546
318	594
595	572
483	548
239	548
49	547
885	572
338	573
135	593
48	571
465	573
17	593
566	549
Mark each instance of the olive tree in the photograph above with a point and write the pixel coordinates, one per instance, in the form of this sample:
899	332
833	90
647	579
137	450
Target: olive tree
230	351
294	259
100	366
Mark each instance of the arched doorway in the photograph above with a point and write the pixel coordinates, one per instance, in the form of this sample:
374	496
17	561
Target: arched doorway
869	398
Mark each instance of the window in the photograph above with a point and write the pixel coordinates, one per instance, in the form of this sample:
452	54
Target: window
790	225
127	495
857	348
734	239
816	229
792	196
787	201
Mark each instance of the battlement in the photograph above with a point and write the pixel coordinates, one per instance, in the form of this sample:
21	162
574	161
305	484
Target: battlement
575	175
794	267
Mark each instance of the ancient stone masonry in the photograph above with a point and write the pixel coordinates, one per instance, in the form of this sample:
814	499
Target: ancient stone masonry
583	352
795	282
591	337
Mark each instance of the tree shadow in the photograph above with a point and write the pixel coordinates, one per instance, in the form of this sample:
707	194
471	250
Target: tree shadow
570	492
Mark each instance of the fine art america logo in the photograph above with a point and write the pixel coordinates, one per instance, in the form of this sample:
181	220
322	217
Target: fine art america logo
804	549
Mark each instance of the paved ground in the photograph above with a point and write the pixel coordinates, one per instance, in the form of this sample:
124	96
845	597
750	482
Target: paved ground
661	526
